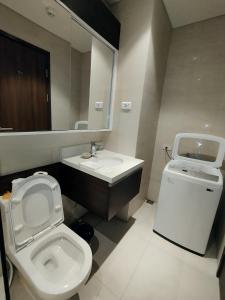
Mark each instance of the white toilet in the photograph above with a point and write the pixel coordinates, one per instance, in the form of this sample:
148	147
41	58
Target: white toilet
54	261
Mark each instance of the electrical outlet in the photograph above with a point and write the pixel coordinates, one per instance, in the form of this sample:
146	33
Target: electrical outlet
169	148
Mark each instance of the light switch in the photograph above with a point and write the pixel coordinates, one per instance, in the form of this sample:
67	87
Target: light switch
126	105
99	105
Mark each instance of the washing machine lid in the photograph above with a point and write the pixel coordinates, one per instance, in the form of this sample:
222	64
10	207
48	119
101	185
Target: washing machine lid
200	148
35	207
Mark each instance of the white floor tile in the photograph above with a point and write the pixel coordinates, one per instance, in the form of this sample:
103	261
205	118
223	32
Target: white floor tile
196	285
94	290
117	270
155	277
145	214
206	265
167	246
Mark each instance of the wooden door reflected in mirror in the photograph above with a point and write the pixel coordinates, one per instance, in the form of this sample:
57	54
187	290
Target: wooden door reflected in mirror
24	86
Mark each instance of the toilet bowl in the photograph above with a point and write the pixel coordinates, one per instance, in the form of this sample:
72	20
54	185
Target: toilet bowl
54	261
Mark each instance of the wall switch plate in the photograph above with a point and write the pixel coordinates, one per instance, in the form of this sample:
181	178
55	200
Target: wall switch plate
126	105
99	105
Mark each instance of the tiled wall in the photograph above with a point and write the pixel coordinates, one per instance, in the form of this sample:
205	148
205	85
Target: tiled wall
194	90
132	60
160	35
145	38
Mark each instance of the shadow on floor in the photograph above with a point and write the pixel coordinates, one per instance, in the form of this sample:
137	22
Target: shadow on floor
107	236
76	297
211	247
115	229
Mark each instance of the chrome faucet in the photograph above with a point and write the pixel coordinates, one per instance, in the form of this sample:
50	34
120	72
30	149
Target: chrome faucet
93	149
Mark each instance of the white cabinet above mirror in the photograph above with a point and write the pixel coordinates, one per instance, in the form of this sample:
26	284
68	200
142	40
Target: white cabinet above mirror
56	75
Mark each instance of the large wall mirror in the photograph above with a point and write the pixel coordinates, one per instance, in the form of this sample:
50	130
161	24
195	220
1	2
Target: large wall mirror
54	73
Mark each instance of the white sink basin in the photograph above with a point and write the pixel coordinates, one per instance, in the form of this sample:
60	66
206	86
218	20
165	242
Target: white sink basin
106	165
108	161
95	163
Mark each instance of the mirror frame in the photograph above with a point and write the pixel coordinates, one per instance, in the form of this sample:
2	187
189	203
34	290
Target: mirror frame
113	87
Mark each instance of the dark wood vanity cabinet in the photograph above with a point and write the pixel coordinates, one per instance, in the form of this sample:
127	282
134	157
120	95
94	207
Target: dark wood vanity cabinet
98	196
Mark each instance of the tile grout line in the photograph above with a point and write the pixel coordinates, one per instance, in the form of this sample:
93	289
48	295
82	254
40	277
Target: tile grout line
148	242
106	287
135	268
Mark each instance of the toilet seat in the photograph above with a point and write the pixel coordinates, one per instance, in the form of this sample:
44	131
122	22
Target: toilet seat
35	206
54	261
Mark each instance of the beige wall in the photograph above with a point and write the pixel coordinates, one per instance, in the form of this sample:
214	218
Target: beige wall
145	37
132	60
23	152
194	91
160	34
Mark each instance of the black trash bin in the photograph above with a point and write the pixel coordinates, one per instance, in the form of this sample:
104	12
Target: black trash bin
83	229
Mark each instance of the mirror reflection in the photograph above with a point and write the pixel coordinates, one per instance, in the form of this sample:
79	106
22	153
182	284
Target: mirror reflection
54	74
91	80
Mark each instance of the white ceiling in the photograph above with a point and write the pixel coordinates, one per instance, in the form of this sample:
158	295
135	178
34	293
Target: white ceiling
183	12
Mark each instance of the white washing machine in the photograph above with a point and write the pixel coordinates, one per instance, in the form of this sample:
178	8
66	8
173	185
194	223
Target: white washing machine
190	191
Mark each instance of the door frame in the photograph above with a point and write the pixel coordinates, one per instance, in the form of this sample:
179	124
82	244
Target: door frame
48	78
3	259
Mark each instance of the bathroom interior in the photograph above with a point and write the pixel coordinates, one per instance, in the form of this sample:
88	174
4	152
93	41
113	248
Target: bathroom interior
112	143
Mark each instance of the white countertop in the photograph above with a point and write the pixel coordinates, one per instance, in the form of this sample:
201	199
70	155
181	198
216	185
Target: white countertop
110	174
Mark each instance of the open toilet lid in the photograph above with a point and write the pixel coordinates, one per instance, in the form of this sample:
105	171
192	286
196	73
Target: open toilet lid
205	145
35	206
